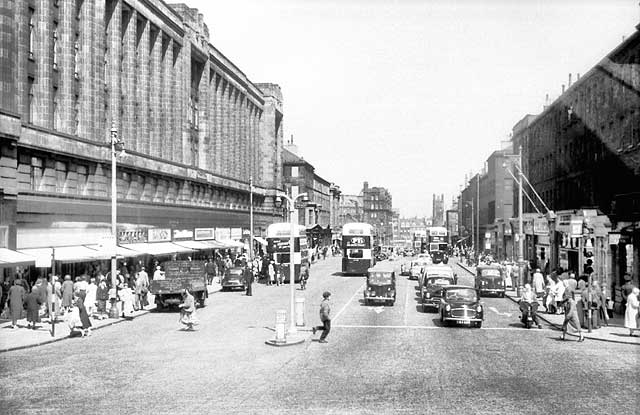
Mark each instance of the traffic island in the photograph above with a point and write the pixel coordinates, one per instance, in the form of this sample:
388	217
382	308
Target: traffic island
296	335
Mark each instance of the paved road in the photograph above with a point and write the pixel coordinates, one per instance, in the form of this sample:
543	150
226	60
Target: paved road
378	360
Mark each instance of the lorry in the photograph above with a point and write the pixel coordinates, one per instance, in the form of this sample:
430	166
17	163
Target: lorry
179	275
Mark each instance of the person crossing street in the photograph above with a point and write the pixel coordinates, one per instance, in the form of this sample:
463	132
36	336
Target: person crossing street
325	317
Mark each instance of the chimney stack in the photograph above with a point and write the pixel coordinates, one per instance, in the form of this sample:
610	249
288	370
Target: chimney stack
569	81
577	76
563	88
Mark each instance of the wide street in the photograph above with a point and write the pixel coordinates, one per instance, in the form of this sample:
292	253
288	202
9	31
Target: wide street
378	360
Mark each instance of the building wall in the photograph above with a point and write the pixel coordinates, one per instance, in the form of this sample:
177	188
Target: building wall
378	211
194	127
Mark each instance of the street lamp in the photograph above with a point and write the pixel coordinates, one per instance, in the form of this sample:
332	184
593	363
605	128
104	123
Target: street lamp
473	238
251	220
305	198
520	218
117	145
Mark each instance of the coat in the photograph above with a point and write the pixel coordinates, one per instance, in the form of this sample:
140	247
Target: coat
67	293
16	300
84	316
32	301
631	313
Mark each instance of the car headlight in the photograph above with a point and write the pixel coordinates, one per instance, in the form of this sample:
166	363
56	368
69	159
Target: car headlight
447	308
479	309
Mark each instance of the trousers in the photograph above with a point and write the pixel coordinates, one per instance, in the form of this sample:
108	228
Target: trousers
326	328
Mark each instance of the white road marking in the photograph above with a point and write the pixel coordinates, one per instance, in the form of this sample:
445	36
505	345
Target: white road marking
406	304
378	310
348	302
495	310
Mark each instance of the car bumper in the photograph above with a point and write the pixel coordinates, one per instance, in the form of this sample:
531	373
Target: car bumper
492	291
232	284
378	297
462	320
431	302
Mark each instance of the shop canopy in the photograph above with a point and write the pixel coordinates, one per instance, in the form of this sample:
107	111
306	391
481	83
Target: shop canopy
120	251
232	244
261	240
195	245
11	258
75	253
213	244
157	248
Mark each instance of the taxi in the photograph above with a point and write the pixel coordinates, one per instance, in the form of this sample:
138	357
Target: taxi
490	279
381	286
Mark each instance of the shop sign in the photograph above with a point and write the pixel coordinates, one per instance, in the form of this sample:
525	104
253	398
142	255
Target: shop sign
540	226
528	227
236	233
201	234
223	234
132	235
614	238
159	235
182	234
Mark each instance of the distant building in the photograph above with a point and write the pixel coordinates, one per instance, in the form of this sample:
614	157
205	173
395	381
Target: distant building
378	211
438	210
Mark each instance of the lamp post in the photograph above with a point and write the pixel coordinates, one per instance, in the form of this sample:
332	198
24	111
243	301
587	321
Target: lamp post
292	323
473	236
116	145
251	220
521	275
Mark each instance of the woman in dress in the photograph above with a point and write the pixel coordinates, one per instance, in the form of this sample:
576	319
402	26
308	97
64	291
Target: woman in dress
631	314
84	316
187	310
16	301
126	296
67	292
33	302
570	315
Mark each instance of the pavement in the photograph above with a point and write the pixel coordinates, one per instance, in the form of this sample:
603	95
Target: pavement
615	332
23	337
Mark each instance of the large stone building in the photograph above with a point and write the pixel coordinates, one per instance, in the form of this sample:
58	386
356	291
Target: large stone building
582	155
194	127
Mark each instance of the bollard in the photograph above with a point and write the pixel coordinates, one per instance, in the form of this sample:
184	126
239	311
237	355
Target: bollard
299	311
281	322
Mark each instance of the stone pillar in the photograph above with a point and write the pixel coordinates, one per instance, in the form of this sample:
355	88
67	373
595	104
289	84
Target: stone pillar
167	99
182	96
141	125
203	116
128	81
155	70
43	57
114	68
218	124
8	42
226	141
98	129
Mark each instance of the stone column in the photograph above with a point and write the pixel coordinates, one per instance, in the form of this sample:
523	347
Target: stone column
43	85
218	124
155	85
8	42
114	68
167	99
225	134
128	81
98	129
141	125
203	117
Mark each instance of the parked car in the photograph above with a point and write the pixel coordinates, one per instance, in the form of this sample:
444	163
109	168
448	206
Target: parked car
490	279
234	277
461	305
432	290
381	286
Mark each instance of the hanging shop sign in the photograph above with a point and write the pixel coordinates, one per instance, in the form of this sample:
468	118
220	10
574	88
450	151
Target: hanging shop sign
614	238
569	224
159	235
236	233
540	226
202	234
132	235
223	234
182	234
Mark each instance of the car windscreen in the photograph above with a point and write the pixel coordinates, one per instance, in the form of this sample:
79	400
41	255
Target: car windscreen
379	278
439	281
491	272
462	294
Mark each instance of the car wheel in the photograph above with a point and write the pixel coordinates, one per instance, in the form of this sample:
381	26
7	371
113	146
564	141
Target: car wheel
479	324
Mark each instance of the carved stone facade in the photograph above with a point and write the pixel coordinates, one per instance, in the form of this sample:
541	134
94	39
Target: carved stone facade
195	128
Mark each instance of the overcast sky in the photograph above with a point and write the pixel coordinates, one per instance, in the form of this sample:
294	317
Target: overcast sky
412	95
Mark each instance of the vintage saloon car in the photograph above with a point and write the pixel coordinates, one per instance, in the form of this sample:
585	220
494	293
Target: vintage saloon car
490	279
432	290
381	286
417	268
234	277
461	305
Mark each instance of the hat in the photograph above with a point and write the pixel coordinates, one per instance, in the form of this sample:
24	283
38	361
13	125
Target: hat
326	294
158	267
627	277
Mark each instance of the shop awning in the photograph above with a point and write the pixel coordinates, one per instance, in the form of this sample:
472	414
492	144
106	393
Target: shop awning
75	253
213	244
196	245
120	251
158	248
11	258
262	241
232	244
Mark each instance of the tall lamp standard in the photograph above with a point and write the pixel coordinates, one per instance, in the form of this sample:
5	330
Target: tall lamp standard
473	237
251	220
117	145
518	162
305	198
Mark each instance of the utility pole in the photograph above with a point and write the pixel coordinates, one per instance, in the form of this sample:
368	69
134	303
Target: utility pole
520	223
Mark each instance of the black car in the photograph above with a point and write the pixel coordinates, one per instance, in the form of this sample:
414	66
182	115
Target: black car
461	305
432	290
381	287
439	257
234	277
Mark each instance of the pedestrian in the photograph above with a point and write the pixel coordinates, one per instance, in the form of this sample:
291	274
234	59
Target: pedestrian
304	276
271	269
570	314
538	283
248	275
603	314
631	313
84	316
67	293
16	301
32	302
102	295
158	274
141	289
626	289
90	298
188	310
210	270
325	317
126	296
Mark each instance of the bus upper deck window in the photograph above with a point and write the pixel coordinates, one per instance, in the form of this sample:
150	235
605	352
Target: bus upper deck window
355	253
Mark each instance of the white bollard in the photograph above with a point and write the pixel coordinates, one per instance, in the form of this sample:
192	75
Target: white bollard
299	311
281	322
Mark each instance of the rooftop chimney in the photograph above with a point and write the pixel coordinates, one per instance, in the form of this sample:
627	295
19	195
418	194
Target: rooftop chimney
563	88
291	147
569	81
577	76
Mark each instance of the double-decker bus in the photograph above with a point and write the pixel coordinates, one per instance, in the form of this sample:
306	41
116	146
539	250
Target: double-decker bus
278	245
357	255
438	240
420	241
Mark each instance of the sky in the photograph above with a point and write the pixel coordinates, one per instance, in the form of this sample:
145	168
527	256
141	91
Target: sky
412	95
